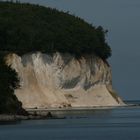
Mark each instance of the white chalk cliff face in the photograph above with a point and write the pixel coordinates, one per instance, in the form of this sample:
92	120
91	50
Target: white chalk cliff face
61	80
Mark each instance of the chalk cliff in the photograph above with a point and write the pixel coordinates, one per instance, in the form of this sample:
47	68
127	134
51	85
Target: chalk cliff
60	80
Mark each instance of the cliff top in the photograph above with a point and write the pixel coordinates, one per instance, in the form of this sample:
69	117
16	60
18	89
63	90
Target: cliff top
26	28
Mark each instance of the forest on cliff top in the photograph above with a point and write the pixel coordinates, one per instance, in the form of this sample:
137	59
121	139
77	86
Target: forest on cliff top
27	28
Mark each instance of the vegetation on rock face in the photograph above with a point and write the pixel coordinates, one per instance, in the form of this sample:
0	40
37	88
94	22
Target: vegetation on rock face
8	82
27	28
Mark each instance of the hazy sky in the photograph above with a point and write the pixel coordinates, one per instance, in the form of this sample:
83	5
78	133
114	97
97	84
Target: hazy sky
122	19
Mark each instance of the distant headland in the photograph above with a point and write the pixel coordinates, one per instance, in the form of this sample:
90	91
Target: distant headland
50	59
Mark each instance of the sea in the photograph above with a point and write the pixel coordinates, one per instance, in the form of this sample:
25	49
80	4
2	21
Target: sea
122	123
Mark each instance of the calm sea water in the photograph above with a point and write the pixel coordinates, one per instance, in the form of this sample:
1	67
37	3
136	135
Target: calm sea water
105	124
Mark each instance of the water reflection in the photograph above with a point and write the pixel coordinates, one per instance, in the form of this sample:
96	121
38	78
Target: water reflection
96	113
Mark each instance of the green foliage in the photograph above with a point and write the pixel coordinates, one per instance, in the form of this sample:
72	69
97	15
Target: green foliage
26	28
8	82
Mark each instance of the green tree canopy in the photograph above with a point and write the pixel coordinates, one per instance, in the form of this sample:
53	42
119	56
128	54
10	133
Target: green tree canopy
26	28
8	83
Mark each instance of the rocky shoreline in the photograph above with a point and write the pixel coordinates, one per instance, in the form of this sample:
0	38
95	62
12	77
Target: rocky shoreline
15	118
38	114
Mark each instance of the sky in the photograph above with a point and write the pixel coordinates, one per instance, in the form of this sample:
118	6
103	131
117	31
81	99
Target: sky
122	19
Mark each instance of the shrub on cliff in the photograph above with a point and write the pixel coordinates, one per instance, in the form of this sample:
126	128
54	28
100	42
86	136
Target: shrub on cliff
8	83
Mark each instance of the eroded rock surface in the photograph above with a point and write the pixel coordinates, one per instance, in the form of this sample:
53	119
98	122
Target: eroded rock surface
63	81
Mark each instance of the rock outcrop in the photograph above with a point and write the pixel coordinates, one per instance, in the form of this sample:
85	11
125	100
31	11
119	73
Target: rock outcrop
60	80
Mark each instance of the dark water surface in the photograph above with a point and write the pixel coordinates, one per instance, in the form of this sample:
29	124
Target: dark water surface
103	124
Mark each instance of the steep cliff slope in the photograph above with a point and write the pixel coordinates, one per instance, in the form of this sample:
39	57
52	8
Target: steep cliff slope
61	80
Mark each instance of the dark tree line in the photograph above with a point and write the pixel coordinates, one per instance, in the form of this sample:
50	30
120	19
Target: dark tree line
26	28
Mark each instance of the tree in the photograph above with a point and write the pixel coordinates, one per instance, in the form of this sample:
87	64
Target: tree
9	81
